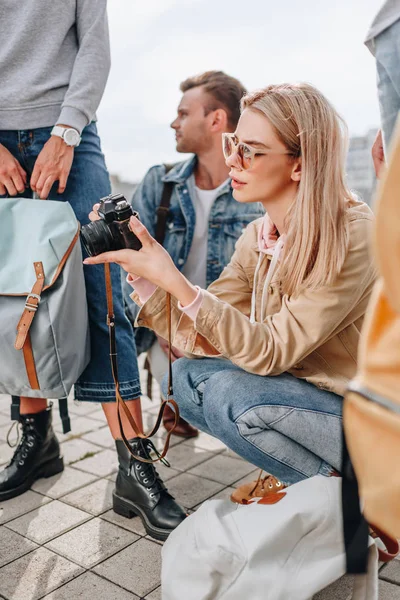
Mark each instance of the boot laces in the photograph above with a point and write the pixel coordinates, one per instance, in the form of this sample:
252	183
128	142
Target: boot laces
24	444
147	472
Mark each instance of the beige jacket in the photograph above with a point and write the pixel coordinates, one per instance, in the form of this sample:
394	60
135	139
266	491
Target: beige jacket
314	336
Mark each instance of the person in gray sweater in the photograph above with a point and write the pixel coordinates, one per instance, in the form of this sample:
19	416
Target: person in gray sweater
54	64
383	40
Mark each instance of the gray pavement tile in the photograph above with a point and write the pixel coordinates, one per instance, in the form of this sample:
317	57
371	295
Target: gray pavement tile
5	454
166	473
391	572
13	545
339	590
155	594
35	575
135	524
102	464
77	449
224	494
92	542
387	591
207	442
94	498
184	457
83	409
11	509
101	437
45	523
4	431
137	568
189	490
90	587
223	469
79	426
62	483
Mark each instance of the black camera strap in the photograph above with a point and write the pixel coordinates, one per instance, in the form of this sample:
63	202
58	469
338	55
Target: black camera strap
114	366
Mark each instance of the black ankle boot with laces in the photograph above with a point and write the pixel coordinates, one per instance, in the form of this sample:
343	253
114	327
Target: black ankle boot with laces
139	490
37	455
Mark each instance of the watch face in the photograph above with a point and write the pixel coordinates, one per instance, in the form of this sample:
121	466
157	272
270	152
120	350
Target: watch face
71	137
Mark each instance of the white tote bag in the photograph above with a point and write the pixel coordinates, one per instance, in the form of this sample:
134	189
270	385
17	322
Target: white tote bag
284	551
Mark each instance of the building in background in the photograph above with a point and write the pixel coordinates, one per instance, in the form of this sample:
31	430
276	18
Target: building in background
359	167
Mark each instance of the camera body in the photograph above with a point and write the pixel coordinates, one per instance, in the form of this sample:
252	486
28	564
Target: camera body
112	230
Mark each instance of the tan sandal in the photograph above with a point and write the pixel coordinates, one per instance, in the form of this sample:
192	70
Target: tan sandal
260	488
388	547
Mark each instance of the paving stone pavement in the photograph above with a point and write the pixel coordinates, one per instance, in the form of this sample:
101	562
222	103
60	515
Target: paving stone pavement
62	541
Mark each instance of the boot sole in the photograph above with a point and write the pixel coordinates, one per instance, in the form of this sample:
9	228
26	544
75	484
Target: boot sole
126	508
53	467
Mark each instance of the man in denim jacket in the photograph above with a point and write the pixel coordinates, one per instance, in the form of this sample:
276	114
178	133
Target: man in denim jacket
204	221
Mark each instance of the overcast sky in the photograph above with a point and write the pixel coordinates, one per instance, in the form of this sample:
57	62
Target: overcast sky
155	44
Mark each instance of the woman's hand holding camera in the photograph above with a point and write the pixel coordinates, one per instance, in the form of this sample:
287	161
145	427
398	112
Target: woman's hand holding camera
152	262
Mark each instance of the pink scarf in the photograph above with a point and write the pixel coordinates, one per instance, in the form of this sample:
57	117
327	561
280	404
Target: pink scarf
267	236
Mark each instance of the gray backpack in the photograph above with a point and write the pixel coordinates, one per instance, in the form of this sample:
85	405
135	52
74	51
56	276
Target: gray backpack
44	340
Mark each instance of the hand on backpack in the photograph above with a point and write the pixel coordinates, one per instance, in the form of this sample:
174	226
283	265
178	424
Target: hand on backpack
12	175
53	164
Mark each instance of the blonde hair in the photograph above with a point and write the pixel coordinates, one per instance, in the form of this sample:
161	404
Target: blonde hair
316	226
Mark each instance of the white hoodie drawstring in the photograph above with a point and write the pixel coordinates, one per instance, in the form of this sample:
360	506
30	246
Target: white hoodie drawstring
253	294
271	271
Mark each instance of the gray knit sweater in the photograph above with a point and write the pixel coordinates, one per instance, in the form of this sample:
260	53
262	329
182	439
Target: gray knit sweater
54	62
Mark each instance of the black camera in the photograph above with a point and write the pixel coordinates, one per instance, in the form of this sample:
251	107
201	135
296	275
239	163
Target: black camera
111	231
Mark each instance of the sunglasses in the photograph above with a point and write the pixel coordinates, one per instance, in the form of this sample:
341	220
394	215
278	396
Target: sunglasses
245	153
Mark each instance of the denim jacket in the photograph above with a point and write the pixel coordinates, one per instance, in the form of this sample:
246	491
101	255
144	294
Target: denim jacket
227	221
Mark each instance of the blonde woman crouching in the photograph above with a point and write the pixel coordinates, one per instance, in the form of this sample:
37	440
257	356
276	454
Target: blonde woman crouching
278	331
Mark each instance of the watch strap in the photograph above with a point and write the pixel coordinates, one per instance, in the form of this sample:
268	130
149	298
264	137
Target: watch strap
59	131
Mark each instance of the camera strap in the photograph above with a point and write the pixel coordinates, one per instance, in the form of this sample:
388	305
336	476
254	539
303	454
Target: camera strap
114	366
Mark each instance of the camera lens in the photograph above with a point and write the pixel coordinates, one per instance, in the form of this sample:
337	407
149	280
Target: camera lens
96	238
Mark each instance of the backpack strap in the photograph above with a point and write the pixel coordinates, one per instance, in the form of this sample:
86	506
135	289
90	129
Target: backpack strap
163	209
15	404
64	416
354	525
23	340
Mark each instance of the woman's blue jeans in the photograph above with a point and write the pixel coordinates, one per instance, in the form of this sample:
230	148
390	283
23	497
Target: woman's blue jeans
88	181
284	425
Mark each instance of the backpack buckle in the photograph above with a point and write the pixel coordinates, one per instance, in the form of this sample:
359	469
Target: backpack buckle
29	305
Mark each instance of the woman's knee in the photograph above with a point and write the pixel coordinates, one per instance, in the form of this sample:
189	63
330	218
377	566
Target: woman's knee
221	394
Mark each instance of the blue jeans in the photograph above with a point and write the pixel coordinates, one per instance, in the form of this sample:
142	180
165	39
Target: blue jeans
88	181
282	424
387	54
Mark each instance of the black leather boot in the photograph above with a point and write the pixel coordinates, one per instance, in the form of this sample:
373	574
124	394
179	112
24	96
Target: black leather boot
139	490
37	455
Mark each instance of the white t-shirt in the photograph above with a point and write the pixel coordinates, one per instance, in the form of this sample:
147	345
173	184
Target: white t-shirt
195	268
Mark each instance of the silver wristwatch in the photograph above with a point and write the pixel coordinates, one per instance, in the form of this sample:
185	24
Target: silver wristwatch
70	136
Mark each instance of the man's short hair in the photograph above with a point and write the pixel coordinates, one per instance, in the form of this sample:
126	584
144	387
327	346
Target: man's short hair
226	91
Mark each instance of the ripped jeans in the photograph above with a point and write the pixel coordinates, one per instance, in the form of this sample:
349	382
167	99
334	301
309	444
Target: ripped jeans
284	425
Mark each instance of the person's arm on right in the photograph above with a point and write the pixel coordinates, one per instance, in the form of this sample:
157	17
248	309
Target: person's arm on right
12	175
378	154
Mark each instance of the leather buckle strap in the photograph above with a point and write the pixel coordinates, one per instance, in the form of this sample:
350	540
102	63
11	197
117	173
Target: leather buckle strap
31	306
114	366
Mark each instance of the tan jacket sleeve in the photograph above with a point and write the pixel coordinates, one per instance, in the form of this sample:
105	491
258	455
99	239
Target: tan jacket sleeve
232	286
285	338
